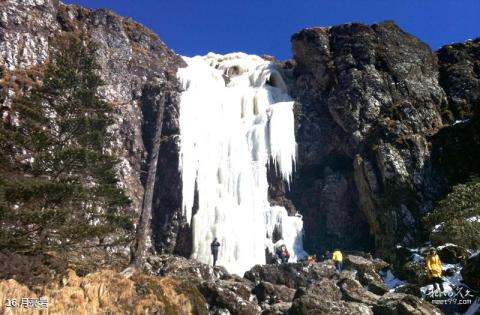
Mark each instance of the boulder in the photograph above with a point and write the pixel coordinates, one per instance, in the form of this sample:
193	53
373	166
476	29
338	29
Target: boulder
452	254
292	275
363	264
403	304
277	309
325	289
353	291
413	272
367	272
167	265
273	294
325	297
412	289
471	272
231	295
401	256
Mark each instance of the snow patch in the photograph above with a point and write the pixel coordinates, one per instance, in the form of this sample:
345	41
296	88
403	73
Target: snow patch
474	219
461	121
390	280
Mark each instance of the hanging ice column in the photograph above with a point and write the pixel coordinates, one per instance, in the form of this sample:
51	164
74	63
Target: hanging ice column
235	117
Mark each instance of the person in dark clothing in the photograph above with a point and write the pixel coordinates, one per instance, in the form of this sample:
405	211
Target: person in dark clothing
214	248
325	256
283	254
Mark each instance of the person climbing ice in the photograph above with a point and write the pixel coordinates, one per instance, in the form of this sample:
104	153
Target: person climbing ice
283	254
434	269
214	248
337	258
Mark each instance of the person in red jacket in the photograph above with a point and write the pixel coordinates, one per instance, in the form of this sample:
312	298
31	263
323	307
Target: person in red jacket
283	254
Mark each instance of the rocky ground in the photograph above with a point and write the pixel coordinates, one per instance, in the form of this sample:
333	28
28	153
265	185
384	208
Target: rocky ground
176	285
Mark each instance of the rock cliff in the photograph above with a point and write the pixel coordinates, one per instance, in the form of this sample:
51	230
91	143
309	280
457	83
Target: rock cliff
136	67
370	101
375	120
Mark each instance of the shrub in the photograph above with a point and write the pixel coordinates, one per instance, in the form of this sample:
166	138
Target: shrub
456	218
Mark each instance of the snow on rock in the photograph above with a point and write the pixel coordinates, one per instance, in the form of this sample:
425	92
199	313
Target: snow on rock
474	219
390	280
416	257
235	118
461	121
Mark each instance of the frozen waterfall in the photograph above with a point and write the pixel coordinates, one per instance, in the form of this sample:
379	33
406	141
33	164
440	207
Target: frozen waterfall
235	117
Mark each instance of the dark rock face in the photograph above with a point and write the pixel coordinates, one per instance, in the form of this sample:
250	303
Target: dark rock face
460	78
447	145
368	96
137	69
456	148
471	272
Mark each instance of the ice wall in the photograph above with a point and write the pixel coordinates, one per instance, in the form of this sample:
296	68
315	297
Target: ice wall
235	117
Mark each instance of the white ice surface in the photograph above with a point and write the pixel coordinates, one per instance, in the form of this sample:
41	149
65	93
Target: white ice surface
236	117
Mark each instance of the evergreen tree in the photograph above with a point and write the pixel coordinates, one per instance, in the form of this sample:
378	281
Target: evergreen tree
58	185
456	218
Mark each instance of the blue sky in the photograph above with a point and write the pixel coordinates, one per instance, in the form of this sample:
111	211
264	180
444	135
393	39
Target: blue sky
264	26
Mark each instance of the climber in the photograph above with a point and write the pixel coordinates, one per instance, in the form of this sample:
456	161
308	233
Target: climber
283	254
312	259
337	259
434	269
214	247
326	256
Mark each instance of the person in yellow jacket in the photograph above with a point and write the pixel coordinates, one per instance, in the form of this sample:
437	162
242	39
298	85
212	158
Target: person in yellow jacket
434	269
337	258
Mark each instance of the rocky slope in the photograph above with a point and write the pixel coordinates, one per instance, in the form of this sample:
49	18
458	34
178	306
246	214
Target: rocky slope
181	286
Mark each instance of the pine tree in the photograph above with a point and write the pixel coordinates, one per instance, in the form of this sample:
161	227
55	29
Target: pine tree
59	185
